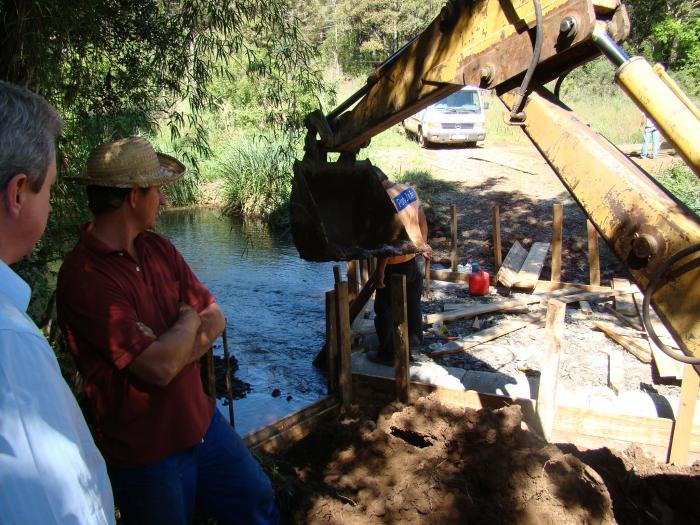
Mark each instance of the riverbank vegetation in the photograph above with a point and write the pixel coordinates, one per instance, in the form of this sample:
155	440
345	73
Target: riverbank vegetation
225	85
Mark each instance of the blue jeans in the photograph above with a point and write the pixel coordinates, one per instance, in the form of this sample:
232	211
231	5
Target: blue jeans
219	475
651	135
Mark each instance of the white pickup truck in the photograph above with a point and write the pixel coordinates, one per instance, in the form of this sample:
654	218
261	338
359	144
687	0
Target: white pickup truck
456	119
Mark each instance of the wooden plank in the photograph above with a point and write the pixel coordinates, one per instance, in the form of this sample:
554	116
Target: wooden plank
487	308
399	318
282	434
627	321
336	274
532	267
344	344
449	276
258	436
680	442
511	265
427	277
488	334
594	296
453	243
353	279
629	344
332	341
625	303
549	286
549	376
616	371
593	257
497	253
666	366
557	236
585	307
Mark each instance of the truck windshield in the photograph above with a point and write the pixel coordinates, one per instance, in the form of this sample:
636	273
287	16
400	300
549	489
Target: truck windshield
461	100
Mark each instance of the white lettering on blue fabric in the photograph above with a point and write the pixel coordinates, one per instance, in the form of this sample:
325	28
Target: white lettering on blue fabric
405	198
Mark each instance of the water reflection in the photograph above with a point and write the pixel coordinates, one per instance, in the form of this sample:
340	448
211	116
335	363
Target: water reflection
273	301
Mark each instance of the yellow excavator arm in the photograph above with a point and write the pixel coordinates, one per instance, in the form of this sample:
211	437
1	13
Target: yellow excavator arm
340	212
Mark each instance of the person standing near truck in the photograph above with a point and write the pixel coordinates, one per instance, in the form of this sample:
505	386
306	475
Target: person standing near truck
412	265
651	137
137	320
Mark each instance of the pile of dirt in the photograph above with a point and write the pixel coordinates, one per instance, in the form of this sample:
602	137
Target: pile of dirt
433	463
430	463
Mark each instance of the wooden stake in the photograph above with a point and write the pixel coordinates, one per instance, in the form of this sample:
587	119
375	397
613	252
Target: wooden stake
680	442
332	342
554	331
497	254
453	246
336	274
427	277
211	374
616	371
343	330
557	234
364	271
593	258
353	281
401	348
229	386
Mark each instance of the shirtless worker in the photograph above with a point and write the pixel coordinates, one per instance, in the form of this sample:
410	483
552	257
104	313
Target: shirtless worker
137	320
408	206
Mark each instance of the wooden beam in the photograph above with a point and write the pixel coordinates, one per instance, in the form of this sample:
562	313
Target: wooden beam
427	277
449	276
399	318
532	267
332	341
593	257
557	236
680	442
511	265
594	296
336	274
624	340
268	439
486	308
453	244
353	279
497	253
488	334
344	344
549	376
549	286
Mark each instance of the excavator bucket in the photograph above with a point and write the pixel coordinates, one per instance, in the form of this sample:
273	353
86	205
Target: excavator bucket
341	212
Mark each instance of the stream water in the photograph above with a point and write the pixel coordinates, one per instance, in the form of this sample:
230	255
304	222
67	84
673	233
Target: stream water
273	302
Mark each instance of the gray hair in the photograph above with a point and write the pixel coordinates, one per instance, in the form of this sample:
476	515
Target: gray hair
29	127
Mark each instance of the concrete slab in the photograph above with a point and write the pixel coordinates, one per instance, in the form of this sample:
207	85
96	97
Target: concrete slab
429	373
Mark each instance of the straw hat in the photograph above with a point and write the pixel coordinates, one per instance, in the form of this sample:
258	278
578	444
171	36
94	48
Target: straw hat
129	162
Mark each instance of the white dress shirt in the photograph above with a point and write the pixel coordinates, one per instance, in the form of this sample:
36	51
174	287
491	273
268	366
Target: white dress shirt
50	469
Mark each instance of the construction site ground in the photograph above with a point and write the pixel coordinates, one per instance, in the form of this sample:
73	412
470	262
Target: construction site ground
433	463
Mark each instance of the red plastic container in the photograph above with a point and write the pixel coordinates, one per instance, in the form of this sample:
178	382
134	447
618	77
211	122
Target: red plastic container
478	281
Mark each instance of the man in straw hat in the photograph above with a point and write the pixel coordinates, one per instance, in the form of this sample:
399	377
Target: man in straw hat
50	469
137	321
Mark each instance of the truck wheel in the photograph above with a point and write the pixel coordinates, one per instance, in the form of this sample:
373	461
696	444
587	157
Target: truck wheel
422	141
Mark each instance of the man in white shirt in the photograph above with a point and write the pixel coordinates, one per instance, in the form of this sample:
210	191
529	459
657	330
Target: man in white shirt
50	469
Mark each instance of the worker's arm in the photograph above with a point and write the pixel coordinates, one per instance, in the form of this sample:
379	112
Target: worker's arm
213	323
180	345
423	223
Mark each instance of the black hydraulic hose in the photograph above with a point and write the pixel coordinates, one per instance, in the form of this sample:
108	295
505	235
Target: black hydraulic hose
655	278
536	52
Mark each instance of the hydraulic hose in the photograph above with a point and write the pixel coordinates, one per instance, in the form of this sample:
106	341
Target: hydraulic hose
656	278
515	112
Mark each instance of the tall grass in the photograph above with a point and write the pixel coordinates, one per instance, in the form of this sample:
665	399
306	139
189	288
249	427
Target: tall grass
683	183
257	179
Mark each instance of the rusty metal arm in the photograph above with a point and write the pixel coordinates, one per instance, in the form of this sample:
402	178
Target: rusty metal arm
488	43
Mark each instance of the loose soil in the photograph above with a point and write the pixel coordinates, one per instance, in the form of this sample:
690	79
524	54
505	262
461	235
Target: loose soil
432	463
